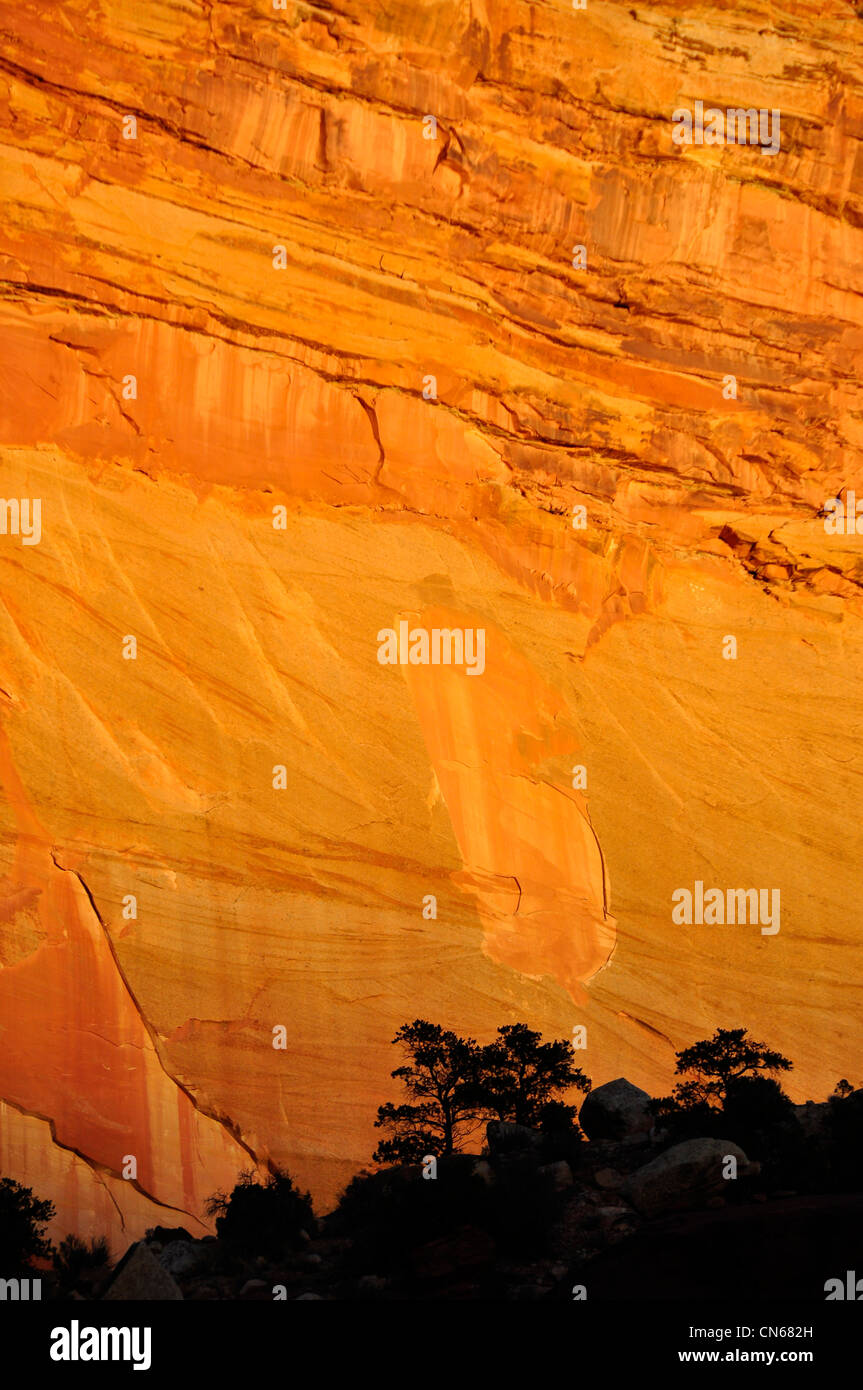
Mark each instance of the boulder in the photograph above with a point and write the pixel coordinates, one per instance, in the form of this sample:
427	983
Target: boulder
608	1178
609	1216
182	1258
616	1110
685	1176
140	1276
165	1234
482	1169
559	1174
372	1283
253	1286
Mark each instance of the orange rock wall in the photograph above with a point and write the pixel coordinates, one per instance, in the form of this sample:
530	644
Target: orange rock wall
407	258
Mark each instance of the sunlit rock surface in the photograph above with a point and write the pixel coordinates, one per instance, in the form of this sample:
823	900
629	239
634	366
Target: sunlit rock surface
303	388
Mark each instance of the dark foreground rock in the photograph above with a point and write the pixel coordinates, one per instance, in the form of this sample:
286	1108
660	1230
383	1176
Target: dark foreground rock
618	1111
784	1249
140	1276
687	1175
464	1255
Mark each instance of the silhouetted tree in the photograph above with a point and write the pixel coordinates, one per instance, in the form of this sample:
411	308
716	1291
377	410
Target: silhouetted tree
21	1217
444	1108
720	1061
265	1218
519	1075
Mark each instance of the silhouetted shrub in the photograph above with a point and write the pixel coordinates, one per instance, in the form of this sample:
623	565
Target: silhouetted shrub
561	1136
262	1218
756	1114
75	1259
753	1108
393	1212
390	1213
759	1117
21	1217
678	1121
845	1131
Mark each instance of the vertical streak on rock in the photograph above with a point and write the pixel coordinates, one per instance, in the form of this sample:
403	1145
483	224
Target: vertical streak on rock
501	746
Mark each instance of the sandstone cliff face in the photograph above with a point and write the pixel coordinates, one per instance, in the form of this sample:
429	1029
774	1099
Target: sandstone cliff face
295	138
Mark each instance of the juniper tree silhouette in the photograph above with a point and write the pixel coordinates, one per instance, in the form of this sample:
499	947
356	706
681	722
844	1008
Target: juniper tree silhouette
445	1106
520	1076
719	1064
455	1086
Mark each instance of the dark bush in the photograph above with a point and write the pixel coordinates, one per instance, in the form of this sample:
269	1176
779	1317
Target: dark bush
759	1117
76	1260
262	1218
677	1122
21	1217
390	1213
561	1136
754	1107
393	1212
845	1132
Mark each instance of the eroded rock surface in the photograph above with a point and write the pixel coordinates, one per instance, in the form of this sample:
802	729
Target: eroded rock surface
303	388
